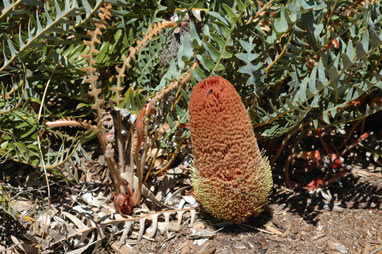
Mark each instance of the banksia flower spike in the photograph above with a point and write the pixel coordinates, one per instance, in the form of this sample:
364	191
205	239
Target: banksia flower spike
231	181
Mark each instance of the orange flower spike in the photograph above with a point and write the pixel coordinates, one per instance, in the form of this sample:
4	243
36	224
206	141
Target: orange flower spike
231	181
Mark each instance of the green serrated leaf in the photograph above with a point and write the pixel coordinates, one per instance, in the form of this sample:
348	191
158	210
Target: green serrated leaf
171	122
232	16
180	56
281	24
199	73
218	16
194	34
219	67
180	112
87	6
6	4
325	117
312	80
291	17
300	42
321	73
315	101
103	51
206	62
318	29
213	52
226	31
248	46
185	95
29	132
226	55
346	60
333	73
187	48
21	146
333	112
315	123
11	47
302	91
360	50
58	10
81	105
48	18
6	61
247	57
375	39
39	27
365	41
21	43
219	40
240	5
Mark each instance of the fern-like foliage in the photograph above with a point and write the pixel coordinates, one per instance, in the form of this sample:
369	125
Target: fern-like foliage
37	41
283	61
295	64
322	89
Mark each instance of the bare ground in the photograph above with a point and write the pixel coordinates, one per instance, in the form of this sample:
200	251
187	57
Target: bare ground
345	217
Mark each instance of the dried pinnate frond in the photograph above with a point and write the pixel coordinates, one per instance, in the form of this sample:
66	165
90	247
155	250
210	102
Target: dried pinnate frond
104	15
105	12
153	30
232	181
69	122
139	134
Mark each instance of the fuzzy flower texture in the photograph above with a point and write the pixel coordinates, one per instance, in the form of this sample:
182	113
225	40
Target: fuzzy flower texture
231	181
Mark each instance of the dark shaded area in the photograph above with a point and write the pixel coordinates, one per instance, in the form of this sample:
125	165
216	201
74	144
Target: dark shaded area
350	191
10	226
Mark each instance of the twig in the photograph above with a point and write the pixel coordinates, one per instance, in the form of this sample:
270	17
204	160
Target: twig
260	12
285	141
290	158
42	155
349	147
281	53
350	133
171	159
273	231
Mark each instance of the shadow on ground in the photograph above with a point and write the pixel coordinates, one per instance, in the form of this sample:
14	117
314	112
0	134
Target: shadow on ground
351	191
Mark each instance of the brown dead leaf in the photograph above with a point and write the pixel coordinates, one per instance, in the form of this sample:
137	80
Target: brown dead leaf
273	230
122	249
188	248
367	173
206	248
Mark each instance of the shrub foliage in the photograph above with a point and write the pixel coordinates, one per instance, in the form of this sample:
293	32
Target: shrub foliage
297	64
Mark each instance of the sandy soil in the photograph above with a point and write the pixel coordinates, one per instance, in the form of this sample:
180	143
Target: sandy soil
346	217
